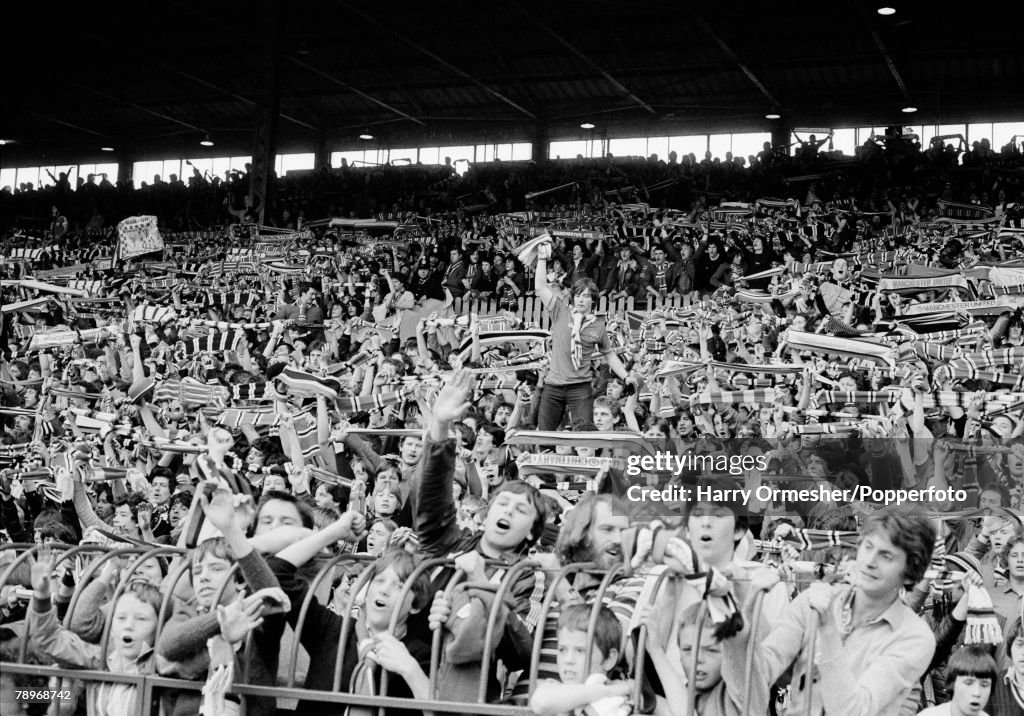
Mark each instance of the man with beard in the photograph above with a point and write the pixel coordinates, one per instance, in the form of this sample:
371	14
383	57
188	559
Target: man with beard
591	532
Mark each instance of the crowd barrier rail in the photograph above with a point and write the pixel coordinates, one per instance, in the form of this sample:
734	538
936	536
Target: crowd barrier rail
151	685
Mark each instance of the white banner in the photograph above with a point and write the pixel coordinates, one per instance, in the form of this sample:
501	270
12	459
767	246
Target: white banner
64	338
922	284
976	308
138	235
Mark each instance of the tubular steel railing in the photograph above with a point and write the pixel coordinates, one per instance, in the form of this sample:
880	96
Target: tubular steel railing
149	685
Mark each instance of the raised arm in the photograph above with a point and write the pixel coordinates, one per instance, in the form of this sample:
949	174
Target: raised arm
540	276
436	524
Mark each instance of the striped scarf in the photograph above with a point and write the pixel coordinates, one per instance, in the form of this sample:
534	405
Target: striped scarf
214	342
763	396
578	322
153	314
834	345
306	384
257	417
190	391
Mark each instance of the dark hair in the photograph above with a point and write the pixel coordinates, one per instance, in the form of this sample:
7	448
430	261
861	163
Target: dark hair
338	493
912	533
607	631
533	494
573	543
467	434
1004	494
305	512
724	486
971	661
496	433
162	472
585	284
184	498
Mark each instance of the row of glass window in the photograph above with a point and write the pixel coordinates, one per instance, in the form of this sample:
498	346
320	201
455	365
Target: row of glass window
460	157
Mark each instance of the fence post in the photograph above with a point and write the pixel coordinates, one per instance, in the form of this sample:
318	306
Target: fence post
549	598
186	565
812	644
346	624
751	648
691	696
423	568
609	577
308	600
492	618
640	657
438	635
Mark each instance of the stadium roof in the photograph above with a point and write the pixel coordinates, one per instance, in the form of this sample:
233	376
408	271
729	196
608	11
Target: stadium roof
154	78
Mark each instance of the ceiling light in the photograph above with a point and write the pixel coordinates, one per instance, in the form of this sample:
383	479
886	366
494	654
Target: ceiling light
773	116
587	125
106	149
886	10
207	142
366	135
909	110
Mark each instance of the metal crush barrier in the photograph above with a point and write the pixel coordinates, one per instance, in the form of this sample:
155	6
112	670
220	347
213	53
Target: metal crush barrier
492	618
545	608
640	658
149	685
324	573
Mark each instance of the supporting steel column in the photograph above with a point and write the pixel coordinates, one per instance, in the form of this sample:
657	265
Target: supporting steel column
539	152
268	107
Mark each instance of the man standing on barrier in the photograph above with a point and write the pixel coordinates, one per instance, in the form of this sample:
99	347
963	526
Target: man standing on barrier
577	335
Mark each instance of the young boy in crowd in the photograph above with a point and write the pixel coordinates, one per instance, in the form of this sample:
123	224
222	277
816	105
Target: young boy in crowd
972	672
578	687
719	677
132	635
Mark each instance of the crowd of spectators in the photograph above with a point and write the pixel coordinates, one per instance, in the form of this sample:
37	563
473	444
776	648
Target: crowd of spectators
351	400
950	169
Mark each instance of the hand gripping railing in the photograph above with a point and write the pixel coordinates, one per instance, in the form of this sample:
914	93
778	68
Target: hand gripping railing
752	643
424	568
29	552
346	623
307	601
492	619
640	658
549	598
595	612
437	637
123	585
171	585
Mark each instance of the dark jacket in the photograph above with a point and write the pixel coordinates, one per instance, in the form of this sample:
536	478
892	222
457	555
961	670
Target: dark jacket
440	536
452	279
319	637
